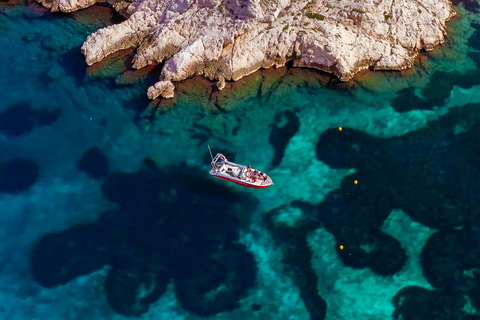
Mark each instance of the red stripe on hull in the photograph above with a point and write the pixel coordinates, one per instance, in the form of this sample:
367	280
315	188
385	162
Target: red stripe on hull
245	184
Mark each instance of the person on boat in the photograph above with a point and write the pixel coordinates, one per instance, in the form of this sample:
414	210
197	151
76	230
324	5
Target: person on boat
264	177
223	158
249	171
255	175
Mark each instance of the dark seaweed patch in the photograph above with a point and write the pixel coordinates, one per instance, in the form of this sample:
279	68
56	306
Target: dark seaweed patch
172	223
285	126
415	303
474	43
198	289
433	174
451	258
470	5
94	163
74	59
17	175
201	137
124	282
60	257
407	100
20	119
441	83
149	164
341	149
440	86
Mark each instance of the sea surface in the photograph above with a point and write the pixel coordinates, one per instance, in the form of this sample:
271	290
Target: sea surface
107	210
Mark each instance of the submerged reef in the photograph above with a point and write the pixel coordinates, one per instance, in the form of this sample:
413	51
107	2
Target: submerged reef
226	40
156	236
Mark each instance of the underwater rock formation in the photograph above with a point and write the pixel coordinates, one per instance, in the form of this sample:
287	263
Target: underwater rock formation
226	40
156	236
297	256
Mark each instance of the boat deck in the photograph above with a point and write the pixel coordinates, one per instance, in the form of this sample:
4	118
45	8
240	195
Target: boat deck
237	173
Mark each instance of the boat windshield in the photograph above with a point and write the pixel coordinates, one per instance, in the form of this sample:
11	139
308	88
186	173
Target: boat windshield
219	158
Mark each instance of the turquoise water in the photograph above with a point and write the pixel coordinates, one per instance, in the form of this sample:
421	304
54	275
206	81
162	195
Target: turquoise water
108	210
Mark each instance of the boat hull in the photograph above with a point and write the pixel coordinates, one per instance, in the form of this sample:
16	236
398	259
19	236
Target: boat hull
239	174
241	182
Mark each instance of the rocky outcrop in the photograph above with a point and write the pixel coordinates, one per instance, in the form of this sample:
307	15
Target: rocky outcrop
228	39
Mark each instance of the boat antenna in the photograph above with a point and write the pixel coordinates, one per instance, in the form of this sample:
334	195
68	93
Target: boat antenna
210	151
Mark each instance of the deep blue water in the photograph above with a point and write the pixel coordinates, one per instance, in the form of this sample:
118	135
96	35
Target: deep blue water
108	210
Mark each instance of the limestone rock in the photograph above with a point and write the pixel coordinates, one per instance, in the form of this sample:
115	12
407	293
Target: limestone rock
163	88
228	39
67	5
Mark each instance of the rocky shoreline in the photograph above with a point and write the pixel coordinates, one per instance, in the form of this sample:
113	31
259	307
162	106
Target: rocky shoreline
226	40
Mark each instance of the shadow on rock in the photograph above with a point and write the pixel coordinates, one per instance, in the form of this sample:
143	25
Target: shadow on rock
291	239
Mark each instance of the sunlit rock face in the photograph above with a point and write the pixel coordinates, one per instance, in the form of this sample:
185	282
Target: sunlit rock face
226	40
